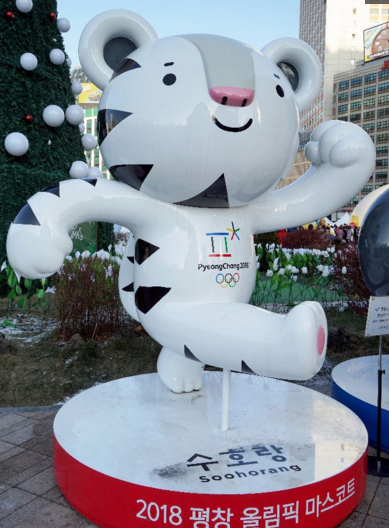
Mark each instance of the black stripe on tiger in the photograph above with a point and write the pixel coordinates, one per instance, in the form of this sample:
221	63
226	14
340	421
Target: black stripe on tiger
124	66
215	196
132	175
147	297
107	120
144	250
53	189
26	216
190	355
245	368
129	288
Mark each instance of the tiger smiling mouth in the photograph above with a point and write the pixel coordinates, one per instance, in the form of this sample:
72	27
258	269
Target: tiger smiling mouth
232	129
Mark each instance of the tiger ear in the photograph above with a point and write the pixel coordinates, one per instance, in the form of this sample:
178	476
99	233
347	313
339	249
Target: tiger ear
108	39
301	66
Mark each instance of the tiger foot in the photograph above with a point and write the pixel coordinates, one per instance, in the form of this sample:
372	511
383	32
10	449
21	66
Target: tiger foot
179	373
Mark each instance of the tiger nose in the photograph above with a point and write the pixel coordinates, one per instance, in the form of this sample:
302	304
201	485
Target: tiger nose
231	96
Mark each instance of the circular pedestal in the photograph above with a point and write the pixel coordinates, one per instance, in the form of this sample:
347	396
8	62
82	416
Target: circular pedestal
132	454
355	384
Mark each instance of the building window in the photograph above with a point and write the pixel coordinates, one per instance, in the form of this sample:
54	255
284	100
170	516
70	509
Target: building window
343	96
367	189
369	102
382	138
369	116
369	127
342	108
369	90
381	163
381	176
383	74
355	106
383	125
382	151
343	118
344	85
355	94
354	118
374	11
383	100
370	78
382	112
356	82
89	125
384	87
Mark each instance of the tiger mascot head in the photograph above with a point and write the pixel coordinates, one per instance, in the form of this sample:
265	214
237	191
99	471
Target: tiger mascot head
196	120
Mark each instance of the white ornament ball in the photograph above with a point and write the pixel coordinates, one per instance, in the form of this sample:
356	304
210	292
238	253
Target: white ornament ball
63	25
57	56
69	61
53	116
74	114
79	169
89	142
77	88
82	128
24	6
16	144
28	61
95	172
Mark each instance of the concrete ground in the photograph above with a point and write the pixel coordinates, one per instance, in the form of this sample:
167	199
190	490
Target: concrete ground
29	497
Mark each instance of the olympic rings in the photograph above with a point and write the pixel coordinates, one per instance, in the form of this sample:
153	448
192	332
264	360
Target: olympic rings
228	280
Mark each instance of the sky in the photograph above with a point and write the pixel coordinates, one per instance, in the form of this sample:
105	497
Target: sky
254	22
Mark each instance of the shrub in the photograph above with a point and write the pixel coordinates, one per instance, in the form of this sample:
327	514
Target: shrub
306	238
87	296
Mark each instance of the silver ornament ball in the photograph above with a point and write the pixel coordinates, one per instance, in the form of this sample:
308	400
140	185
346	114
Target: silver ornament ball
79	169
74	114
89	142
95	172
57	56
24	6
76	88
53	116
28	61
16	144
63	25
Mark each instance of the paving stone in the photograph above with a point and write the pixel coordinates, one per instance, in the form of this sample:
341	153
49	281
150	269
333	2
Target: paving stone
30	444
46	414
30	472
40	483
5	446
354	521
53	495
11	453
42	513
28	414
380	505
3	487
45	447
21	435
12	500
374	522
15	465
7	420
18	425
371	488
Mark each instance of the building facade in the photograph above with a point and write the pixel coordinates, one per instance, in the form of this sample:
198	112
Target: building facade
361	96
334	29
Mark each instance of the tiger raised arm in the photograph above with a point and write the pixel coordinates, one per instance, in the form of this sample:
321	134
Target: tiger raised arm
198	131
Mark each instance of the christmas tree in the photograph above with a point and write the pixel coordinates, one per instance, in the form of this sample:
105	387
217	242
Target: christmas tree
40	121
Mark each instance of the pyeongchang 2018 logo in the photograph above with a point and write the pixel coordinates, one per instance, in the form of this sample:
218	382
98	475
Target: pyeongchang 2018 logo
219	242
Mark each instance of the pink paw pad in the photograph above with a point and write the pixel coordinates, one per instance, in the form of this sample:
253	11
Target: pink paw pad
321	341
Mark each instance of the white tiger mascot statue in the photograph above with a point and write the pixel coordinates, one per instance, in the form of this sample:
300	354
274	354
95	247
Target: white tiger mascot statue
198	131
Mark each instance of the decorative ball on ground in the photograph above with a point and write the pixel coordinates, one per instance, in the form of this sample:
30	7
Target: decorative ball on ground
24	6
95	172
76	88
89	142
374	246
69	61
63	25
16	144
53	116
28	61
57	56
79	169
29	119
82	128
9	15
74	114
52	16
